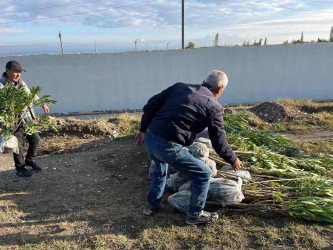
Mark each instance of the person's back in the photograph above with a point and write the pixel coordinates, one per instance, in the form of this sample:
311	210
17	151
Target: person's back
186	111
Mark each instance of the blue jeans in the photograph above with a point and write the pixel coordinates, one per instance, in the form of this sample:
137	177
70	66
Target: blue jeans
179	157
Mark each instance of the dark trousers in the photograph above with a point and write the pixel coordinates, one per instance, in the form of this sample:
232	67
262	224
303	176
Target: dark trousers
33	141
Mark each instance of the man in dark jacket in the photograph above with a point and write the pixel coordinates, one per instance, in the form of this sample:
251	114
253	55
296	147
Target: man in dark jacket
170	122
13	76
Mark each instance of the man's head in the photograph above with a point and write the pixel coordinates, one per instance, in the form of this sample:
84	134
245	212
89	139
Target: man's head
13	71
218	81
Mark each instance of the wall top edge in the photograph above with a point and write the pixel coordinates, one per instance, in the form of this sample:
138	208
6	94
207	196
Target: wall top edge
330	44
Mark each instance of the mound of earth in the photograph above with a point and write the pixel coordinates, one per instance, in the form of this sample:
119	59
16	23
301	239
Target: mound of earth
97	127
311	109
76	135
273	112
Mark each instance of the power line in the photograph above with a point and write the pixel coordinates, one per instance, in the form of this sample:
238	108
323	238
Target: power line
80	13
276	7
48	7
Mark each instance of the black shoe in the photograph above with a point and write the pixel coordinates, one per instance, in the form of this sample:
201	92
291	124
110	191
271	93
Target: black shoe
23	172
33	164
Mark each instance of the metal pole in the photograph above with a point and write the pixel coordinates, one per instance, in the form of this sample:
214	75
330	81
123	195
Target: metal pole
62	48
182	24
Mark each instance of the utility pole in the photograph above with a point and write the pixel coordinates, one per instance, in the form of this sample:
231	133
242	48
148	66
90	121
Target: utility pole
135	43
182	24
62	48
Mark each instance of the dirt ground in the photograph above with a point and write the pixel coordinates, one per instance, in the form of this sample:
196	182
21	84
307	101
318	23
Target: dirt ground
92	182
99	178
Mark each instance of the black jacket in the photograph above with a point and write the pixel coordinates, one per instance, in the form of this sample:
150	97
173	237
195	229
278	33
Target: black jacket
181	111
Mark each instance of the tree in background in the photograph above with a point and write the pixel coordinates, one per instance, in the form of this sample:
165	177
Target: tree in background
319	40
265	42
299	40
216	43
331	34
190	45
246	43
258	43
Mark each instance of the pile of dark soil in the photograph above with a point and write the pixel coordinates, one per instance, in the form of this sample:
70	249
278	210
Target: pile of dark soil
311	109
269	112
273	112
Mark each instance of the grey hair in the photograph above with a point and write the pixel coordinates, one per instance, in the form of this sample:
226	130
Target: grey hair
216	79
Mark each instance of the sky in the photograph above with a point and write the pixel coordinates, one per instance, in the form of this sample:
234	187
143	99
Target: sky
32	27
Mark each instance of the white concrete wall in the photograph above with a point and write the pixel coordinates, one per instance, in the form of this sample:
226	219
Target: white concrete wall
113	81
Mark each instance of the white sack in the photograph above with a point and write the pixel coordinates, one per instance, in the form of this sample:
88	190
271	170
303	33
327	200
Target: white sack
227	192
211	164
199	149
175	181
180	201
244	174
9	145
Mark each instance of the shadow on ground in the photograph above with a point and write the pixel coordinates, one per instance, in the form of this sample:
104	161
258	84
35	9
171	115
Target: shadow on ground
99	190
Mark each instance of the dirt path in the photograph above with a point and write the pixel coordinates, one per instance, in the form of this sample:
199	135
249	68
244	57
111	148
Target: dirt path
81	192
319	135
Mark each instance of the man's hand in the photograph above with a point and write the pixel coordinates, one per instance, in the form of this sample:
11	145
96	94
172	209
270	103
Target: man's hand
140	136
46	109
237	165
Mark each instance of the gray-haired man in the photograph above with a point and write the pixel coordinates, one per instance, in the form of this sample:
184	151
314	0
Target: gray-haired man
170	122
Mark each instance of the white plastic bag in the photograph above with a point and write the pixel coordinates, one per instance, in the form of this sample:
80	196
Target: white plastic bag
9	145
211	164
187	186
244	174
175	181
199	149
225	191
180	201
205	141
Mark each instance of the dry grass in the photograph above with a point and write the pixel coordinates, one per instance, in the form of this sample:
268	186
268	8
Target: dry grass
292	103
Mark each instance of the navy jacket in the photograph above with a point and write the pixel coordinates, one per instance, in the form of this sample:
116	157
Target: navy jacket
181	111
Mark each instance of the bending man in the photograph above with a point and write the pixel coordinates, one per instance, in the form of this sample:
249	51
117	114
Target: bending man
170	122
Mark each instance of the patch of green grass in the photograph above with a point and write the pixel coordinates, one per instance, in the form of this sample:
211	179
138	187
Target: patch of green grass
298	237
160	238
265	236
325	119
212	236
284	233
111	241
314	148
128	125
294	127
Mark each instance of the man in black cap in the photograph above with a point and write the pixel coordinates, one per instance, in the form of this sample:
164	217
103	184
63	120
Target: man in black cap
13	76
